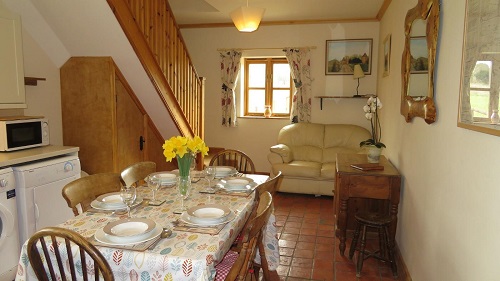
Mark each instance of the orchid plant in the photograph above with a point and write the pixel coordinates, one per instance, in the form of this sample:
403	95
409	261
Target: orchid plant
371	113
184	149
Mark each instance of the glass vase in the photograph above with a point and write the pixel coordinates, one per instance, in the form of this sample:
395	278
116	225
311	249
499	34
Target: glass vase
184	190
267	111
494	117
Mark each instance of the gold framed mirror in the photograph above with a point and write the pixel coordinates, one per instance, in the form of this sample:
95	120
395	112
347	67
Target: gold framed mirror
419	57
480	82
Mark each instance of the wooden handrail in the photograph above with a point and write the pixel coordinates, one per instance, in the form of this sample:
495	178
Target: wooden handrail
153	33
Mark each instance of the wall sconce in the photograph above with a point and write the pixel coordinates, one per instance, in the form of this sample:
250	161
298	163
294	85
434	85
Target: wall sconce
358	73
247	19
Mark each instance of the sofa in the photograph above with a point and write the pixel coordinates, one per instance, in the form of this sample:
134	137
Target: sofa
305	153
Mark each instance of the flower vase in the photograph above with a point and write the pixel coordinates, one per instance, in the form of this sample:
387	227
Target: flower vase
373	153
184	180
267	111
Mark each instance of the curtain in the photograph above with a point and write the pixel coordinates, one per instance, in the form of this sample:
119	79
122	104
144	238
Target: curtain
300	68
230	68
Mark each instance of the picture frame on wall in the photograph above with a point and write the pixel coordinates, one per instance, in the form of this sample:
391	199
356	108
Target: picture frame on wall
342	55
387	55
419	55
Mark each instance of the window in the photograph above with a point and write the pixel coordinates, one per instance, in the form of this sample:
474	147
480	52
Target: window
267	82
482	101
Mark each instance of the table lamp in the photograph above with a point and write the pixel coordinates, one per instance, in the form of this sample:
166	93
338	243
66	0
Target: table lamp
358	73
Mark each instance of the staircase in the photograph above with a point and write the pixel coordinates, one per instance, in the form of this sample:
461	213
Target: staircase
153	33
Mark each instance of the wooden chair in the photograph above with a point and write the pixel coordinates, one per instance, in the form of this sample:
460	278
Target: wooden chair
46	240
137	172
239	268
271	185
82	191
234	158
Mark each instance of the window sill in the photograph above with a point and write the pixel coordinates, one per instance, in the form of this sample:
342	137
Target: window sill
262	117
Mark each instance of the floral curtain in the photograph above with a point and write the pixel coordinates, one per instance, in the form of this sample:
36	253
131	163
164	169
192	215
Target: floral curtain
300	67
230	68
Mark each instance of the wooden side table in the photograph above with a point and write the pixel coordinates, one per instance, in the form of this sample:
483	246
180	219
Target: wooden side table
356	190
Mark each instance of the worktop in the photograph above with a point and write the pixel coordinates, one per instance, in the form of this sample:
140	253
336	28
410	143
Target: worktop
34	154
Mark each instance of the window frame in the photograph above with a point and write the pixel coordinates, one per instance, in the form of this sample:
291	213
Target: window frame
268	89
491	94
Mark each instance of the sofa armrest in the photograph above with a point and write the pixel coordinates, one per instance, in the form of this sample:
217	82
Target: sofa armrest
280	153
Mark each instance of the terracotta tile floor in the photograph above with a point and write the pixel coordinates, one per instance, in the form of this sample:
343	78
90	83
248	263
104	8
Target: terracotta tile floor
308	247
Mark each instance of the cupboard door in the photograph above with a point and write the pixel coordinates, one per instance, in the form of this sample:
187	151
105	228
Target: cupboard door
130	127
12	94
154	143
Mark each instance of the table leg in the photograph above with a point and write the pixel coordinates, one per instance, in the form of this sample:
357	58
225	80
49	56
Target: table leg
342	225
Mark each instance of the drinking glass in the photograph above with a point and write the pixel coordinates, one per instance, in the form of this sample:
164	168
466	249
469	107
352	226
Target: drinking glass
128	195
154	184
210	176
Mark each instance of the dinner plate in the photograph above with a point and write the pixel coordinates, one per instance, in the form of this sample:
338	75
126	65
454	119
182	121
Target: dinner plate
230	188
236	182
165	178
107	239
208	213
189	220
224	171
129	227
100	206
110	199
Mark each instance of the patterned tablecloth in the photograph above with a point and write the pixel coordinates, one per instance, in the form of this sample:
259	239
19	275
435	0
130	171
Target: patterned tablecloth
183	256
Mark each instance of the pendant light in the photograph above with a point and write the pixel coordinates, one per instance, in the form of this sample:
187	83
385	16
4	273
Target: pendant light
247	19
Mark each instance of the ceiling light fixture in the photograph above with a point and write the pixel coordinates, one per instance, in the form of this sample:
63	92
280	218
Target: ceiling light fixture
247	19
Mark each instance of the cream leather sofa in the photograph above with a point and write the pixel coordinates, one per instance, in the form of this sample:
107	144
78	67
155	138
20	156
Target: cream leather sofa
306	154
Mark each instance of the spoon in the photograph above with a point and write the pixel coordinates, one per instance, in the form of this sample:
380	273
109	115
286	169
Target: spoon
165	233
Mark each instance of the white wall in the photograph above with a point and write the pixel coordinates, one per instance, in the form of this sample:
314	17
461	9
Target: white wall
448	217
255	136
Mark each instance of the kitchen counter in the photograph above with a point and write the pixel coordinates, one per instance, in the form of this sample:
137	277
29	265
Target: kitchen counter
35	154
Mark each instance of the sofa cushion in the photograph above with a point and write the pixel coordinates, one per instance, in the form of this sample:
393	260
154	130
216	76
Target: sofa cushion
342	138
305	140
328	170
305	169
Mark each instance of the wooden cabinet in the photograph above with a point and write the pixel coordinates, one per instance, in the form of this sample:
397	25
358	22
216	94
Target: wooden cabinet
12	94
103	117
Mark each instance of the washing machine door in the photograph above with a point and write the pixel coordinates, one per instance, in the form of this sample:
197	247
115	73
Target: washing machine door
6	224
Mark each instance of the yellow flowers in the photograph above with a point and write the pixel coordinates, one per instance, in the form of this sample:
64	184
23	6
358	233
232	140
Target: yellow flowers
178	146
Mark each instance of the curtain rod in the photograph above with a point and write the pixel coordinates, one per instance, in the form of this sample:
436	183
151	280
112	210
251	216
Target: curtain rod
250	49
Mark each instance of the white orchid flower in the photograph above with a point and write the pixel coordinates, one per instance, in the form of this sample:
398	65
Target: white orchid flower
366	108
369	115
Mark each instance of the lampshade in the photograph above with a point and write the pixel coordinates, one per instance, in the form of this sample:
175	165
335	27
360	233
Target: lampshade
247	19
358	72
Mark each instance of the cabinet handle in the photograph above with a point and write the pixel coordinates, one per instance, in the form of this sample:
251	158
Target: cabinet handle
141	142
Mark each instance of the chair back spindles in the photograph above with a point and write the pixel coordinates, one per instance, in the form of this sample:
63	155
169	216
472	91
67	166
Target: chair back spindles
71	239
234	158
135	173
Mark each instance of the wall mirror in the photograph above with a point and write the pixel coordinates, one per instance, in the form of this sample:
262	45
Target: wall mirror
419	57
480	83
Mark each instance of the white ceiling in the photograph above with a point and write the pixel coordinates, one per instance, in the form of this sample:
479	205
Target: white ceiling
217	11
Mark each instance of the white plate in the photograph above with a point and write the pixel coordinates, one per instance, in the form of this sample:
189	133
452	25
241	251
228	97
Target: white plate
123	241
228	187
100	206
165	178
191	220
129	227
236	182
111	199
209	213
224	171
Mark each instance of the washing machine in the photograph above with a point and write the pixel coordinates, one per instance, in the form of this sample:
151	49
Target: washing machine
9	234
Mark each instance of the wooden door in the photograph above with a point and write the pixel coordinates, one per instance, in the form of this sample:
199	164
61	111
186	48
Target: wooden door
154	143
130	128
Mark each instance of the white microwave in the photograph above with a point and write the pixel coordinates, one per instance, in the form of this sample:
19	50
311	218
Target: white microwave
22	133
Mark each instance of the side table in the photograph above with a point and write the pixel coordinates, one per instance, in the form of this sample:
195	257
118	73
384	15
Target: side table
377	191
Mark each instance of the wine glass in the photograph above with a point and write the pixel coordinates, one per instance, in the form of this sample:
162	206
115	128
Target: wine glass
210	176
154	184
128	195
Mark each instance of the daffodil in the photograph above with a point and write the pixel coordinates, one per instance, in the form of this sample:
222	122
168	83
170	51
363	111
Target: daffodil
184	149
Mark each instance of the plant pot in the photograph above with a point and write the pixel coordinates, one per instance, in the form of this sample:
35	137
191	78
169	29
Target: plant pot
373	153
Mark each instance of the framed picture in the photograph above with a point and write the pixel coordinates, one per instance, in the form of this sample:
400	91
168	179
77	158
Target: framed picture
342	55
419	55
387	55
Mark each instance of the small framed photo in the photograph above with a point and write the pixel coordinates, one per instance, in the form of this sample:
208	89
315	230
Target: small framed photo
419	55
387	55
342	55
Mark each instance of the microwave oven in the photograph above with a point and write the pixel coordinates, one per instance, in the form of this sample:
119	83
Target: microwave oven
16	134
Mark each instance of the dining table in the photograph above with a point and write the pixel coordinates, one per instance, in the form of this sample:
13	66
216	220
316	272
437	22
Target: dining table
190	253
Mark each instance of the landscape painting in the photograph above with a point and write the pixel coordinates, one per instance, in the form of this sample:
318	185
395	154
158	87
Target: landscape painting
342	55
